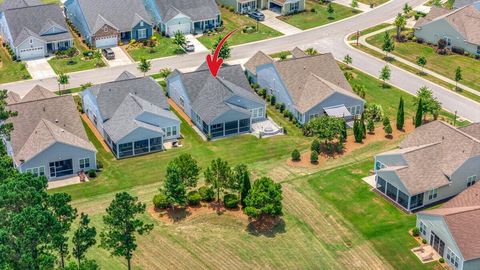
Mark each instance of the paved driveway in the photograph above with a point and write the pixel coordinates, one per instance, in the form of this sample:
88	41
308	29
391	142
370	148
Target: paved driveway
279	25
40	69
198	45
121	58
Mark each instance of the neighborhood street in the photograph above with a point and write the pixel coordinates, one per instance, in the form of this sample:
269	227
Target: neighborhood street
329	38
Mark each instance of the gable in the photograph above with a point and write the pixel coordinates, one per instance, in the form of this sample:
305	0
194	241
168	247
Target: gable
53	30
106	30
157	120
139	133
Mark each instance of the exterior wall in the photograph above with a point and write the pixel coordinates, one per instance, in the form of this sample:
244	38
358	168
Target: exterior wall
148	28
60	151
286	7
179	19
439	29
161	122
438	225
246	103
392	178
334	100
229	116
75	14
471	265
90	108
26	44
267	77
101	33
139	134
175	90
4	29
391	160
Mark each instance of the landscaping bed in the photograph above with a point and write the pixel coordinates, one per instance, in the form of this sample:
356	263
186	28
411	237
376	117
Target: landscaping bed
316	14
233	21
158	46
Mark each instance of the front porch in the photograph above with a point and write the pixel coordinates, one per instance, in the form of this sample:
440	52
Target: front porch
52	47
201	26
244	6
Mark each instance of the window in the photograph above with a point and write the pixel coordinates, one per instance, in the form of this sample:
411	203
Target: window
231	127
216	130
125	149
315	115
471	180
381	184
156	144
141	23
416	201
84	163
182	102
452	258
38	171
244	125
142	33
141	147
402	199
432	194
61	168
449	41
294	6
423	229
379	165
392	192
257	113
478	50
105	28
174	131
31	41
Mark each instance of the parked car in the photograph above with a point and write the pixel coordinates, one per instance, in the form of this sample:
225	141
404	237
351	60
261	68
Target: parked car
257	15
108	53
188	46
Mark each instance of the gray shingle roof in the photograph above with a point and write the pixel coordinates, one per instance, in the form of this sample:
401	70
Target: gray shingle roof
197	10
462	3
311	79
432	153
36	93
111	94
33	20
462	216
11	4
209	95
39	124
260	58
472	130
297	53
13	98
122	15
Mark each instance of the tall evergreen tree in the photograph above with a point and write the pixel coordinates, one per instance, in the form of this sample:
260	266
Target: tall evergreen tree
218	175
419	114
343	135
400	115
83	238
357	131
174	188
363	128
246	186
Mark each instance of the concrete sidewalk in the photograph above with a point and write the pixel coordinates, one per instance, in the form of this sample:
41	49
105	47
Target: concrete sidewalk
277	24
363	41
361	6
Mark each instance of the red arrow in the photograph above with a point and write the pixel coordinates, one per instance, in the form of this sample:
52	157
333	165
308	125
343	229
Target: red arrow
214	63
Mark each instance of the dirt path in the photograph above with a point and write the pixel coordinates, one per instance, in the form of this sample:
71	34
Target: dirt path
95	132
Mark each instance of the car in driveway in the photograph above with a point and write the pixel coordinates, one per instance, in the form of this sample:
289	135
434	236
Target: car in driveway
108	53
188	46
257	15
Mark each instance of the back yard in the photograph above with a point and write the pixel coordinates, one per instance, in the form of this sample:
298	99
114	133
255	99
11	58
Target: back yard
233	21
316	14
331	218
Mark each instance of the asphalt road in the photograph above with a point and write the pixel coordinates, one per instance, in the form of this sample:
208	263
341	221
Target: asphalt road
329	38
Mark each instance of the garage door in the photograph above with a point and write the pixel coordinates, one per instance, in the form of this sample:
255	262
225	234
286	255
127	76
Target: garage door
182	27
105	42
30	53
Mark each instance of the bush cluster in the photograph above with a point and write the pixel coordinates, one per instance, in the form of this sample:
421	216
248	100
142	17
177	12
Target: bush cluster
206	194
160	201
230	200
194	198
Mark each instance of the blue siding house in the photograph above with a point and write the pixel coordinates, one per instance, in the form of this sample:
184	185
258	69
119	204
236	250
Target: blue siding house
104	23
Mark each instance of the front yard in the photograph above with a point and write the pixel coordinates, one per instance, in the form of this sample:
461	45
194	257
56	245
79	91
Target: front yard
233	21
76	63
442	64
164	46
316	14
11	71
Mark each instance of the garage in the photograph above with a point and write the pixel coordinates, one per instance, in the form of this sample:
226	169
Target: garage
182	27
30	53
276	7
106	42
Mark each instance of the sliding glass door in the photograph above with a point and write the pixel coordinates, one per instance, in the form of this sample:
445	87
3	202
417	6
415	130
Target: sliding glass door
61	168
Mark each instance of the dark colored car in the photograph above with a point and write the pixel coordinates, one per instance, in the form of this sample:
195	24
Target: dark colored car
257	15
108	53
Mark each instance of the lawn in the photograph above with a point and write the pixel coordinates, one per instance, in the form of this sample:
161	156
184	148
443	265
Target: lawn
309	19
233	21
373	2
75	63
442	64
164	47
11	71
369	30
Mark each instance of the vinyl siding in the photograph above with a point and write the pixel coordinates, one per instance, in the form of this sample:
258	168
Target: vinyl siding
267	77
146	26
334	100
176	90
74	13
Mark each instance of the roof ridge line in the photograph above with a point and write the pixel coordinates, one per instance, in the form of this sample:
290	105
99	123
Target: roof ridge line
461	132
30	101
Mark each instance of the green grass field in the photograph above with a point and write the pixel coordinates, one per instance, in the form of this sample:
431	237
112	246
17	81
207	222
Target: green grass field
233	21
442	64
331	218
309	19
11	71
163	48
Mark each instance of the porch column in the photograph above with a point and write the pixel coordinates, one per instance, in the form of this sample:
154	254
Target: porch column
149	145
238	126
396	198
408	206
223	128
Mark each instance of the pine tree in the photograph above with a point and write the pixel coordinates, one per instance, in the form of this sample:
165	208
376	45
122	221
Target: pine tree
362	126
357	131
343	136
419	115
400	115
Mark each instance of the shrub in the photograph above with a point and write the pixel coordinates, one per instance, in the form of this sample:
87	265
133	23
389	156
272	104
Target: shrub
132	41
99	165
194	198
273	100
206	193
420	40
282	107
295	155
88	53
231	9
315	146
424	241
314	157
160	201
230	201
262	92
415	232
92	173
458	50
312	10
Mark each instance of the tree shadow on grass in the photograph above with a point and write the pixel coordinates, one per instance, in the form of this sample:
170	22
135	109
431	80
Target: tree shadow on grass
269	228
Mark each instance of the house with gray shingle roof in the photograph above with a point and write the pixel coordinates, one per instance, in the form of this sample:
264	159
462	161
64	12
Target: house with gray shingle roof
309	86
219	106
452	229
36	93
184	16
35	31
104	23
459	28
132	115
435	162
46	142
282	7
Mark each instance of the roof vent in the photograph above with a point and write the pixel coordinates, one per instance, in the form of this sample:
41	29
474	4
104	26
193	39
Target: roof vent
43	108
56	120
62	130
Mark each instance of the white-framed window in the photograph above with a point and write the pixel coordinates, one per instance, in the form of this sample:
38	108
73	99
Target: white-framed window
174	130
256	113
294	6
453	259
141	23
432	194
478	49
423	228
182	102
31	41
84	163
142	33
315	115
355	110
379	165
170	131
37	171
449	41
471	180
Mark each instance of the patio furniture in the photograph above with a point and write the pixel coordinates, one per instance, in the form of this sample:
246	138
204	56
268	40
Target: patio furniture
428	257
